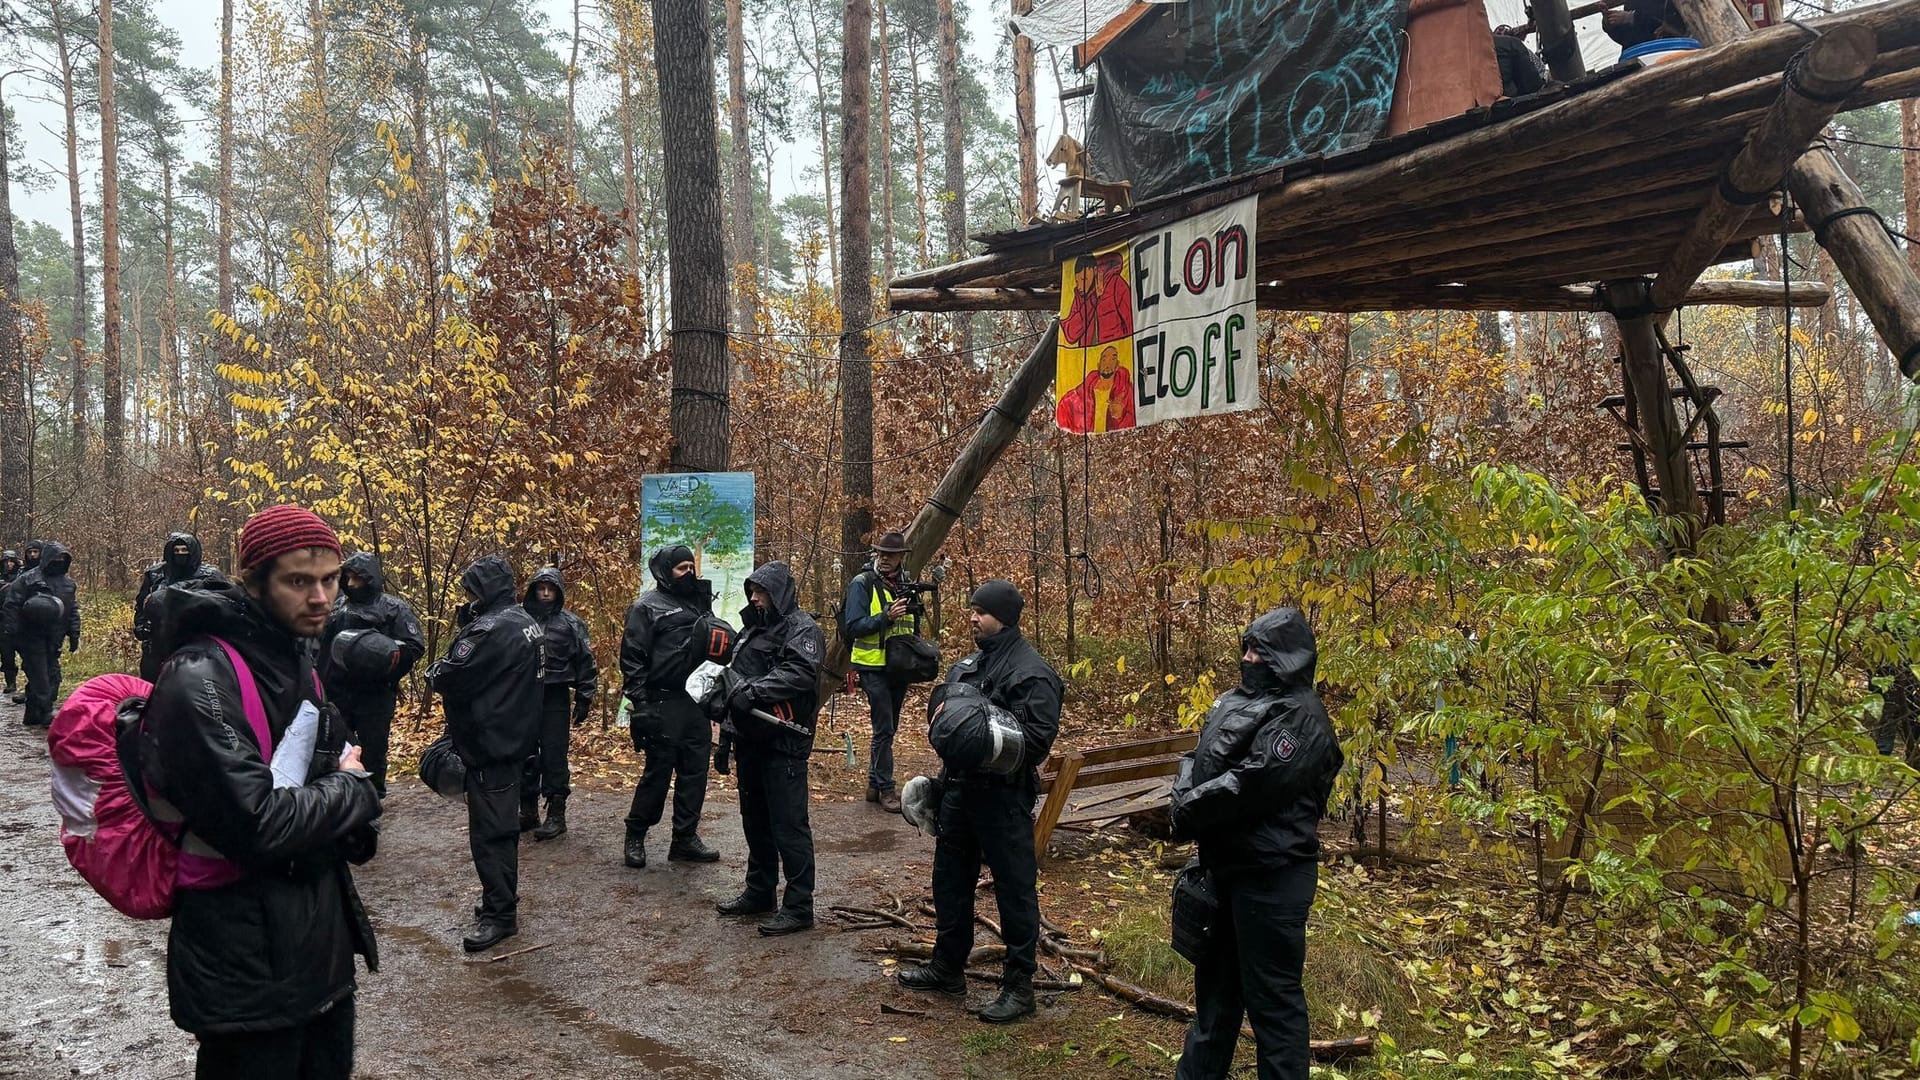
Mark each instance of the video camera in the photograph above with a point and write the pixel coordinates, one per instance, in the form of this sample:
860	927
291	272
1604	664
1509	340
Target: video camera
912	591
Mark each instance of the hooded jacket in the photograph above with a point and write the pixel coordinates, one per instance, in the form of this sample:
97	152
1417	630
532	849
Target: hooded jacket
778	656
1013	675
1253	790
276	947
658	648
165	573
50	578
10	567
490	677
569	651
373	609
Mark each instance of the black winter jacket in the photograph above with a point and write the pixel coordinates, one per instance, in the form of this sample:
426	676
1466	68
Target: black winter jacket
275	948
373	609
658	649
1254	789
569	651
779	655
164	573
1014	676
51	578
490	677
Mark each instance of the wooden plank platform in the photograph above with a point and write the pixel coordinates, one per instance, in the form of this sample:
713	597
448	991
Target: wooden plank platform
1500	208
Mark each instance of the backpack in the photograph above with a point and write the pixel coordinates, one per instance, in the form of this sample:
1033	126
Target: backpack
125	840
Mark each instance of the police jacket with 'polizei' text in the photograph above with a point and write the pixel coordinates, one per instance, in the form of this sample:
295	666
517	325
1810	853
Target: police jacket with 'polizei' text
490	677
1253	790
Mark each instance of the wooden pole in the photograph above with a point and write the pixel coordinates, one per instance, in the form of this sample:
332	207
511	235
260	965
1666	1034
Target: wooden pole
1725	292
1003	421
1886	287
1632	306
1818	79
1559	46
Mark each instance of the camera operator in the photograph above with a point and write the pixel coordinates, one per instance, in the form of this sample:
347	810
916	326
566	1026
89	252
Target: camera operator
875	611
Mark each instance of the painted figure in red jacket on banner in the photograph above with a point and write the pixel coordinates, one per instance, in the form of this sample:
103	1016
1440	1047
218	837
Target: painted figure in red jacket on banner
1102	402
1102	308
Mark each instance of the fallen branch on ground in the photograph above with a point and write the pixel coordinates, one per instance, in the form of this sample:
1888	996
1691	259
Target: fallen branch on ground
875	914
514	953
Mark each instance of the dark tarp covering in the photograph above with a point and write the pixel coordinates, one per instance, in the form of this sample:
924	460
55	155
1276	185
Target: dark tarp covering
1214	88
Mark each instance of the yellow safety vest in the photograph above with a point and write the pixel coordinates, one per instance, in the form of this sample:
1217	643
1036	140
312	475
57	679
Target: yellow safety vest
871	652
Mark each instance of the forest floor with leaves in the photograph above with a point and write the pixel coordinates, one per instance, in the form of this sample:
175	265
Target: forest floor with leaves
1439	954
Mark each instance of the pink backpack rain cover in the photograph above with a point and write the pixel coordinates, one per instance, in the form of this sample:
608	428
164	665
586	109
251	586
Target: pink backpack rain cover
132	861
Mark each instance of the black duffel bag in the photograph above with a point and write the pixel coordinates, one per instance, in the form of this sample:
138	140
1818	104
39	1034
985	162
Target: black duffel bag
912	658
1196	910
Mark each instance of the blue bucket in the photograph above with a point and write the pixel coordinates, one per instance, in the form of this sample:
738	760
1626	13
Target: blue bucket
1660	50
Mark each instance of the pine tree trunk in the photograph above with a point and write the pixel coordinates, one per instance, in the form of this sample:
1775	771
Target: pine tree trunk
745	317
77	332
626	46
16	483
573	74
218	545
1910	173
170	310
826	149
113	399
696	244
320	181
886	145
919	158
856	283
1025	124
954	194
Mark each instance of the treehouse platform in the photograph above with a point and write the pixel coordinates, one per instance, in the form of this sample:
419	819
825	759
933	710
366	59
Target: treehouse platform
1629	173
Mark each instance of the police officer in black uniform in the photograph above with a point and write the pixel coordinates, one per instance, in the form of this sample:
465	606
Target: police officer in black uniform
1252	793
179	562
569	680
30	559
365	683
662	645
39	609
987	817
490	682
777	664
9	569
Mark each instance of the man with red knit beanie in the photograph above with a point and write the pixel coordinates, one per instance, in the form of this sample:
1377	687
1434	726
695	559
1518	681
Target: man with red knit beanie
284	889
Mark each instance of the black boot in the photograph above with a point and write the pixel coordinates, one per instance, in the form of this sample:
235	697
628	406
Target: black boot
1013	1003
486	934
786	922
556	822
745	904
934	977
529	814
636	852
691	849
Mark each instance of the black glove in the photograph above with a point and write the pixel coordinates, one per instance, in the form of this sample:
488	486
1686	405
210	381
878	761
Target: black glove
722	751
360	845
73	644
740	700
581	707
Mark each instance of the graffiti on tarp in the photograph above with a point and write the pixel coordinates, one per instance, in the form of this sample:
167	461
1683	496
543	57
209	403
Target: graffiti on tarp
1221	87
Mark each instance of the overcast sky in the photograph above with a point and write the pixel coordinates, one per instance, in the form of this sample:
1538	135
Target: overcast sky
198	24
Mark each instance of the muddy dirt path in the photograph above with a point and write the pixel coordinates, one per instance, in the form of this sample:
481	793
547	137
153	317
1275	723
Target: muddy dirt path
639	977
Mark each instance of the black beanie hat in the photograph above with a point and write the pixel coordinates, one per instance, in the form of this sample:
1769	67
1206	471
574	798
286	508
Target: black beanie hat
999	599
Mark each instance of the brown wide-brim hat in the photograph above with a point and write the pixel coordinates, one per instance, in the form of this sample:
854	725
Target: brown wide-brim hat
890	542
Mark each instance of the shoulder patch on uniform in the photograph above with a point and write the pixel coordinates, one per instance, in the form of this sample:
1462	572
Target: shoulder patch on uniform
463	648
809	646
1287	746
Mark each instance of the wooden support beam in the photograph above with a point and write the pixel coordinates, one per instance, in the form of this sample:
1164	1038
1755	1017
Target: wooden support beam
1660	427
1003	421
1818	79
1882	281
1726	292
1559	46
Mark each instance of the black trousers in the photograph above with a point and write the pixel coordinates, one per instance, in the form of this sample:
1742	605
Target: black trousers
677	740
493	834
320	1049
546	771
991	824
7	666
41	659
369	715
773	814
1253	967
884	695
150	661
